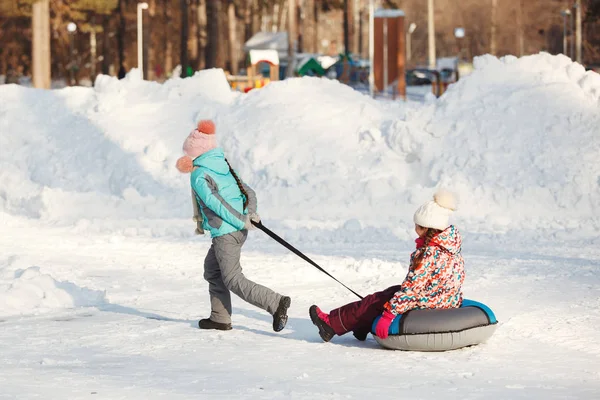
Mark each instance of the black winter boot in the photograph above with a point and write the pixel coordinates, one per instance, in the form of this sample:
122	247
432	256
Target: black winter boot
280	317
208	323
362	336
325	331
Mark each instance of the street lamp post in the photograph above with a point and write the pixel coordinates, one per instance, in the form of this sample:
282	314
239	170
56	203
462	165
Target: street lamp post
140	47
431	33
411	29
459	34
578	33
72	28
93	55
565	14
572	32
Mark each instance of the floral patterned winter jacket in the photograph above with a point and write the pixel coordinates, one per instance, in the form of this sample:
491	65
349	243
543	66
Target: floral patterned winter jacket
437	281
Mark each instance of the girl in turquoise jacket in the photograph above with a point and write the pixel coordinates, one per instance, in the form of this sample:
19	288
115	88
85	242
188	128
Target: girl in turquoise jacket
227	207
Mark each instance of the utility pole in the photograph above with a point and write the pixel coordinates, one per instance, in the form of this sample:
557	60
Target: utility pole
431	33
291	37
493	46
578	56
41	44
140	37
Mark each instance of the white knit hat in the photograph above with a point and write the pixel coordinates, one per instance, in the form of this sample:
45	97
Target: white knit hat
435	213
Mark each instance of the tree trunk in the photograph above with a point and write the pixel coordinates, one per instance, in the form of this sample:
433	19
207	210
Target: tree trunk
248	22
281	15
149	48
316	26
493	45
356	27
300	26
308	27
121	39
268	17
106	53
291	37
184	38
201	16
168	38
233	43
194	36
223	43
346	26
257	13
520	41
213	8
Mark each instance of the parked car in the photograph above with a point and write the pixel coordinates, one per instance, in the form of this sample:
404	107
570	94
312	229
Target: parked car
418	77
593	67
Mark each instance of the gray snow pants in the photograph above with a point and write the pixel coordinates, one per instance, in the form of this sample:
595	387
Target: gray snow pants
223	272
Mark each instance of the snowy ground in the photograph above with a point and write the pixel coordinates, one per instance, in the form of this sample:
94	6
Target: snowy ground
140	341
101	282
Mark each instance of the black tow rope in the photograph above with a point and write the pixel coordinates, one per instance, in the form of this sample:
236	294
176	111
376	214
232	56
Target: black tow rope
297	252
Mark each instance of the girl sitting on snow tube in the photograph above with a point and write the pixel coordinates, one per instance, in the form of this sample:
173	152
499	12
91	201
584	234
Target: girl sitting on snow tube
434	280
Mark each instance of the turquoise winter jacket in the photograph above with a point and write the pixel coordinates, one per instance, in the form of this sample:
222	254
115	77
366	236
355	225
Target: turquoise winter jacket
220	200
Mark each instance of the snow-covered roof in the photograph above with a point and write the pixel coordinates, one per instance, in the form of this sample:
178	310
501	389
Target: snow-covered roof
327	61
324	60
270	56
386	13
268	41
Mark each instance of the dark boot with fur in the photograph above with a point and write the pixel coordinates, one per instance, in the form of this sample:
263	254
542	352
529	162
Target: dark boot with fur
280	317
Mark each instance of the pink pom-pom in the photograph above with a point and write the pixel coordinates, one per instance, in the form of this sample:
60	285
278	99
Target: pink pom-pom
207	127
185	165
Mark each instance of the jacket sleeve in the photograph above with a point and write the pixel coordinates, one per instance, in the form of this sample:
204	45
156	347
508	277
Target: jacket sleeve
213	200
252	201
407	297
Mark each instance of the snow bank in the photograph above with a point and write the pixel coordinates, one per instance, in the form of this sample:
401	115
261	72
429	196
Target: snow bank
517	140
33	292
102	153
107	154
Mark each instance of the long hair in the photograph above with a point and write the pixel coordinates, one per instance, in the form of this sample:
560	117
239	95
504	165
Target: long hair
429	235
239	183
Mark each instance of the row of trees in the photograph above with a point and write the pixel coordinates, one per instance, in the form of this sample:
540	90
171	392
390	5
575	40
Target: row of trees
210	33
194	33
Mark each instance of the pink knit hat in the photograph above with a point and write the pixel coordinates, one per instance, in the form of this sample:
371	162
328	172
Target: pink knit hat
201	139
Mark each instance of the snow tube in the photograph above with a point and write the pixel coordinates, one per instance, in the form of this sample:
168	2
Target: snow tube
440	330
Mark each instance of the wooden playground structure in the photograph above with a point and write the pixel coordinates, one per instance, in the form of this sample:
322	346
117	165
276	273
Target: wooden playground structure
254	79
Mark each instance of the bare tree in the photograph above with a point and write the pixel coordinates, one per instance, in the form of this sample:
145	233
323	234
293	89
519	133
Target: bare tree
184	38
233	42
213	11
201	21
121	39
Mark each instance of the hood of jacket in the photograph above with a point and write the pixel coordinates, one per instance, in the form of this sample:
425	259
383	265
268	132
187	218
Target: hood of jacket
449	239
213	160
